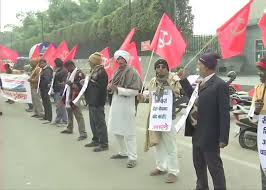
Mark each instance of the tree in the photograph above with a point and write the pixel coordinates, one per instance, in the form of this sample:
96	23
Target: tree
181	14
184	17
106	7
63	13
89	8
95	24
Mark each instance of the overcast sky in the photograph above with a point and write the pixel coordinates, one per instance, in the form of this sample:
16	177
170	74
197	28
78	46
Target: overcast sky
209	14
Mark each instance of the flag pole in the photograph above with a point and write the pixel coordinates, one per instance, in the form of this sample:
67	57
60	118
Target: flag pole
193	58
145	77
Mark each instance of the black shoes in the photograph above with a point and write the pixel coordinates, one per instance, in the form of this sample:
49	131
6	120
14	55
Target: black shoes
82	138
98	147
47	122
29	110
10	101
92	144
119	156
66	132
101	148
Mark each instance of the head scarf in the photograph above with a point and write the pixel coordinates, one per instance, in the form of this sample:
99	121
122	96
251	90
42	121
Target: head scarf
124	54
161	62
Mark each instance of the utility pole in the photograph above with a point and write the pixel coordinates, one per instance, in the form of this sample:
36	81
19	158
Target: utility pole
129	13
174	14
11	39
42	27
71	31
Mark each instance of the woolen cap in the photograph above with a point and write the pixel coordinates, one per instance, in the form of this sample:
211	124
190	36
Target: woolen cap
210	59
95	58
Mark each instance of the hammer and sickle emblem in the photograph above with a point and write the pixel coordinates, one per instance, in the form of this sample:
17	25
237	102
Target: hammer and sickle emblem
240	28
162	39
105	62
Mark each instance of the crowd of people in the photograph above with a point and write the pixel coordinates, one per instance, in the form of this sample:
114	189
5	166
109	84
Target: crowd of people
208	121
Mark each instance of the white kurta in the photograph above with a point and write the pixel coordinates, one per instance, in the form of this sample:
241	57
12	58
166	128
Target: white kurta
122	112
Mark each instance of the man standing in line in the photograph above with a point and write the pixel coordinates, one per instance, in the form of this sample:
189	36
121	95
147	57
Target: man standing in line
9	71
125	86
208	122
164	141
95	96
71	92
60	76
28	70
44	82
36	99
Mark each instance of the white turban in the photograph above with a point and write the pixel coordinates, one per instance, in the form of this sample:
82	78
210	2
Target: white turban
123	54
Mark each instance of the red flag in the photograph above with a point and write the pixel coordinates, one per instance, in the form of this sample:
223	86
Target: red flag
131	48
262	25
168	42
128	39
6	53
134	60
232	34
36	53
72	54
61	52
106	61
49	55
2	67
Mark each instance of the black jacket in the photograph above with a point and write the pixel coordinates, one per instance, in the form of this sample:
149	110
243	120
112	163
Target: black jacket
96	91
45	79
60	80
213	114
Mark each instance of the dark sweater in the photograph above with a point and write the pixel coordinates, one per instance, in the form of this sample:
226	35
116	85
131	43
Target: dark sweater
96	91
60	80
45	79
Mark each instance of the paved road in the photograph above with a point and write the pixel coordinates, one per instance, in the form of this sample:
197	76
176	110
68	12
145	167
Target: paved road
37	156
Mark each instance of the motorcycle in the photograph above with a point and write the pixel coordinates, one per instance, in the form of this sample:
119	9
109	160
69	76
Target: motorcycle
238	102
247	133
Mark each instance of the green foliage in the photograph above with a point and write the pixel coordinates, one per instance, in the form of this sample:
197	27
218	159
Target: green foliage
103	24
88	8
181	13
184	17
106	7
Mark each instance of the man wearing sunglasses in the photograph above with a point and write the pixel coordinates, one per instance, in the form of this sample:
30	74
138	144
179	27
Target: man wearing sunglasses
164	141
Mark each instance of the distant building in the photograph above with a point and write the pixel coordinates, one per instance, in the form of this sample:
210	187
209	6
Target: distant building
254	48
